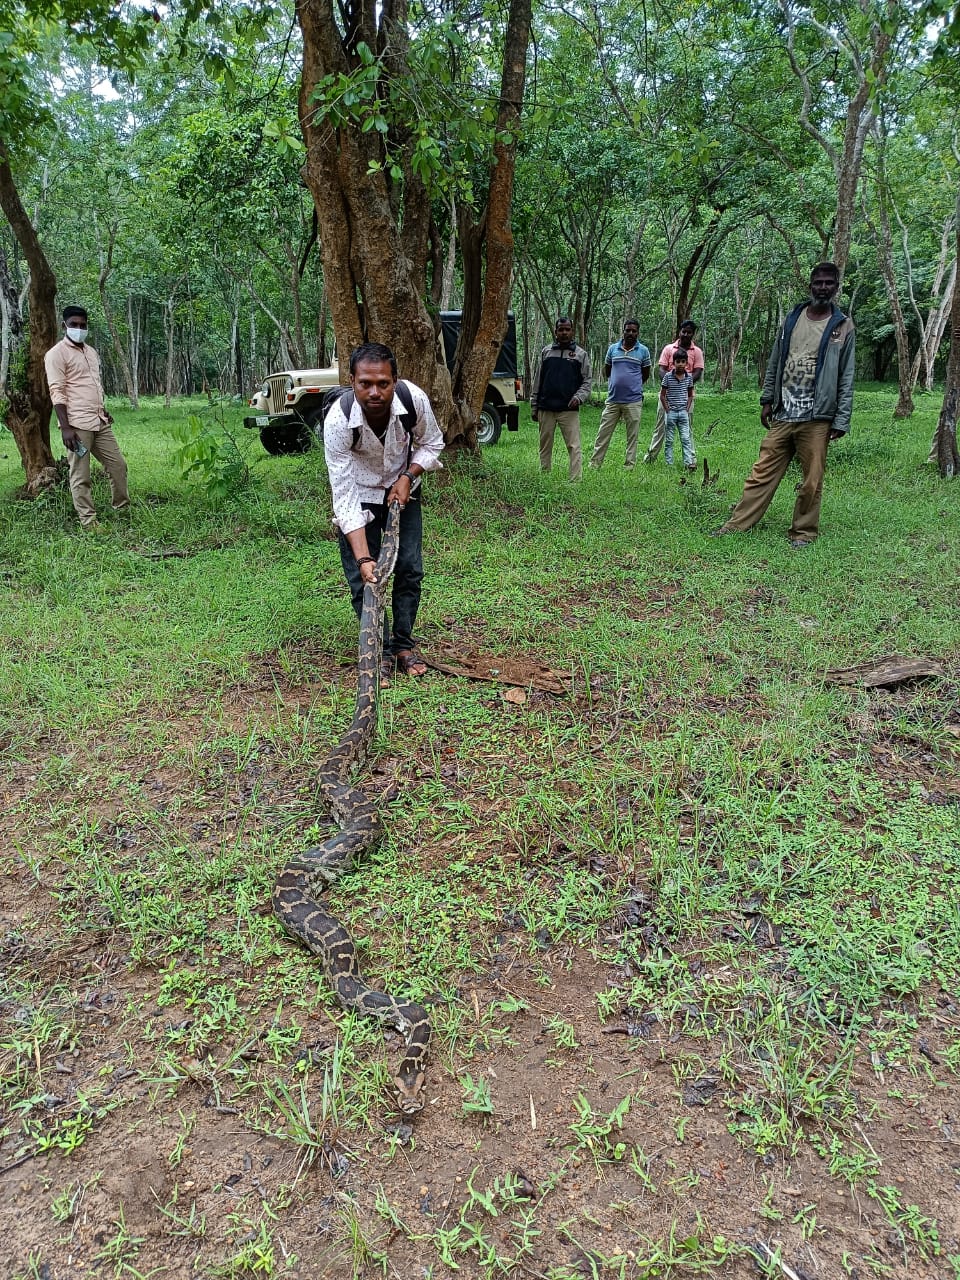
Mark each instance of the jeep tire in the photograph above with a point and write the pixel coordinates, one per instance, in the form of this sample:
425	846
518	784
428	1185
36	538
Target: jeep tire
283	438
489	427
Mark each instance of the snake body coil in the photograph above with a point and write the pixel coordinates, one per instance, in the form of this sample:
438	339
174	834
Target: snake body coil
301	884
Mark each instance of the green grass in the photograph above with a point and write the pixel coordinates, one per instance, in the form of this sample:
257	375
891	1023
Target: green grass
793	844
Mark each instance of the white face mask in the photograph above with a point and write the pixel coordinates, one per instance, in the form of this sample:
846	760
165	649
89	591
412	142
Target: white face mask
77	335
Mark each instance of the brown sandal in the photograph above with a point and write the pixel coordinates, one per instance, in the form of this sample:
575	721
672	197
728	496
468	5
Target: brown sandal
411	663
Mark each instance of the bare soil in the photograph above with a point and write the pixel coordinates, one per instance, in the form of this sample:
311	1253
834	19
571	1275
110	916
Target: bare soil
586	1211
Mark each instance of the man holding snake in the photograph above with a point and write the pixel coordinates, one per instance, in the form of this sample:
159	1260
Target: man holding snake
378	444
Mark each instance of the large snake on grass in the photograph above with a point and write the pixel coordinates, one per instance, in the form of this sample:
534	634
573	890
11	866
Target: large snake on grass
298	893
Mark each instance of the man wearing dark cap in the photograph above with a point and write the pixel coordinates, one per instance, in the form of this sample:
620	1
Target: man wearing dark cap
73	374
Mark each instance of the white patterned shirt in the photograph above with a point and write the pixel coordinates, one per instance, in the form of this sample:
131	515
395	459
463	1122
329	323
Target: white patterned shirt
367	473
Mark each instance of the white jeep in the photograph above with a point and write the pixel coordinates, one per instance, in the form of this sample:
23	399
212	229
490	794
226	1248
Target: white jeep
288	408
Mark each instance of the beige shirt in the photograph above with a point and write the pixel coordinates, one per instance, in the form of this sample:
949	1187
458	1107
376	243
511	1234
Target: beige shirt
73	374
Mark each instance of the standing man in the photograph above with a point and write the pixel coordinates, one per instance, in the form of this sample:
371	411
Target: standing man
561	384
376	453
695	367
73	375
806	402
626	367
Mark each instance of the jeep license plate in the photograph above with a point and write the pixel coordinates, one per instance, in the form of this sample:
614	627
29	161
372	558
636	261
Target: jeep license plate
263	420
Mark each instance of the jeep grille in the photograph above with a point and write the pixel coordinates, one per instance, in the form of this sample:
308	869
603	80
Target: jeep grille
277	382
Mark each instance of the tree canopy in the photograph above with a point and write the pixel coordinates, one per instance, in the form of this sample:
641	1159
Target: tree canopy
234	188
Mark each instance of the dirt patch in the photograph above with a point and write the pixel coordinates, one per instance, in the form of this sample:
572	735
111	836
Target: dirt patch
595	1146
568	1131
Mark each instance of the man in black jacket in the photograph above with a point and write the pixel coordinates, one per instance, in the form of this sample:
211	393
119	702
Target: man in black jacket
561	384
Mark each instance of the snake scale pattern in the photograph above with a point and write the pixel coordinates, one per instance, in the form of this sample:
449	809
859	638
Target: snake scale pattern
298	896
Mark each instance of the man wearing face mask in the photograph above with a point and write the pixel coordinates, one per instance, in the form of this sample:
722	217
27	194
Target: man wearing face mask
806	402
73	374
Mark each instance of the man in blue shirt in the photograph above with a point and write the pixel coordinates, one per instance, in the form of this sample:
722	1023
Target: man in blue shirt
627	367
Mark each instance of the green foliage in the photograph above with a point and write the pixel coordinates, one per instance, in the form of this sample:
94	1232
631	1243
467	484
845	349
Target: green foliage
37	38
209	454
476	1096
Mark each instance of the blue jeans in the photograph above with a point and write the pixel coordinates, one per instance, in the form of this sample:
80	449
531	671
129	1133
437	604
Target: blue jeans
678	420
407	576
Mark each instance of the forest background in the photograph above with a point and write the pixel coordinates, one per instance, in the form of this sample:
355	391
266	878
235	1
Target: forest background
206	195
687	929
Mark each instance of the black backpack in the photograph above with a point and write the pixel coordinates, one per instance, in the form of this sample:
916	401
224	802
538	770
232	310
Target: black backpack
346	398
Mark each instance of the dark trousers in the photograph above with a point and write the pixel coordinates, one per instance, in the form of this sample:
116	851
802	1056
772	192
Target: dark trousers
407	576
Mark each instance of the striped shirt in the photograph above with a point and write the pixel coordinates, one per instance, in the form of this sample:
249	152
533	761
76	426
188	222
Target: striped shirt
677	391
628	365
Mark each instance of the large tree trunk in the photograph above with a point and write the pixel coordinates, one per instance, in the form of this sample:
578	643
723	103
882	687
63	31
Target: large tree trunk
28	396
376	289
375	232
487	301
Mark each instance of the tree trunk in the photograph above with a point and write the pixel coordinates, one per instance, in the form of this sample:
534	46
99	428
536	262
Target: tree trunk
11	320
869	66
28	396
702	255
375	233
940	300
169	328
449	260
296	272
484	323
322	357
379	294
135	335
236	355
106	268
883	245
945	440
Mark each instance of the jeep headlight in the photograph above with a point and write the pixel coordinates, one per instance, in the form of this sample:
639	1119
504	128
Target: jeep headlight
265	391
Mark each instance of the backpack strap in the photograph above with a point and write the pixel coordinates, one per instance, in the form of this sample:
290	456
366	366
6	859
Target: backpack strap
408	419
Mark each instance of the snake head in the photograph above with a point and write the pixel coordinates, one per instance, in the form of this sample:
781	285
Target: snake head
408	1093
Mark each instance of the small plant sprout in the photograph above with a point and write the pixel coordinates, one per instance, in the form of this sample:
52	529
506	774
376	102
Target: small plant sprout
476	1096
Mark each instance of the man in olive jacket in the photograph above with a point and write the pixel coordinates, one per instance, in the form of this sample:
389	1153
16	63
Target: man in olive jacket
806	402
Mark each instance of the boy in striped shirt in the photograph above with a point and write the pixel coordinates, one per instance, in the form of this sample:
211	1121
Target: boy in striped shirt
676	396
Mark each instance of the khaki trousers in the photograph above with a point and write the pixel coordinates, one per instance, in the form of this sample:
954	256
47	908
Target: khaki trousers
805	441
659	431
569	423
103	446
612	413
